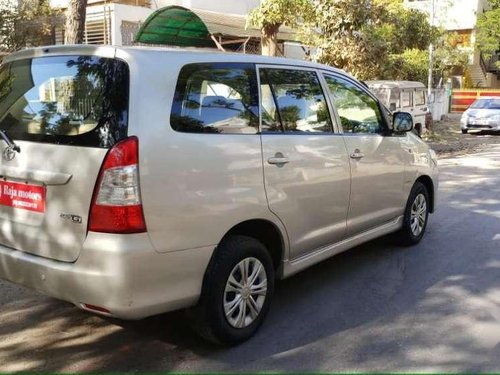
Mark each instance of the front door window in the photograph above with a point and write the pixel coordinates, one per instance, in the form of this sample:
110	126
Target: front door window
358	111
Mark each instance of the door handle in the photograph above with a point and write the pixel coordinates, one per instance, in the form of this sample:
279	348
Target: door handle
279	160
357	154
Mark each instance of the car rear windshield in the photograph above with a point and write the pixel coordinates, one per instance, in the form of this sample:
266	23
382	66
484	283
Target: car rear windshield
486	104
71	100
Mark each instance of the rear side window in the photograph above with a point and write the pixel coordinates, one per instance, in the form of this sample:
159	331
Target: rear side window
406	99
216	98
394	100
419	97
72	100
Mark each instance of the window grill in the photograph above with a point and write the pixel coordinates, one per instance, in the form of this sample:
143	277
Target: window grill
98	27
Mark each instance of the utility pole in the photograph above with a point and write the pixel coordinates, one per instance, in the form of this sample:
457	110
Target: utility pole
431	51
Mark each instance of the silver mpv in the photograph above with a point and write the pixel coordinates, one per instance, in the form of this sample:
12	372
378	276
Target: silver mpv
137	181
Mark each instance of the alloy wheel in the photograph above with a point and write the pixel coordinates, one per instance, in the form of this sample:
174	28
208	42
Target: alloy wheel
245	292
418	214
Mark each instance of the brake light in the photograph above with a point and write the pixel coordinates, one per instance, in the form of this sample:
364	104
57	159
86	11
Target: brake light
116	203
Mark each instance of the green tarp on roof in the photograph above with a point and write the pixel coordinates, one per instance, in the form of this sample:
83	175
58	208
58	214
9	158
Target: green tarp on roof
175	26
178	26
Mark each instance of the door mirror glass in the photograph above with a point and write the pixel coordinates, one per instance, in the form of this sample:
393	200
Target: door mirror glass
392	107
402	122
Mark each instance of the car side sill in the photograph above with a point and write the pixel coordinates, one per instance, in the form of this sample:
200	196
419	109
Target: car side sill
296	265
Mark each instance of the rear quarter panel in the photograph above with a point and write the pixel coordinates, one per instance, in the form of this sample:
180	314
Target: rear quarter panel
195	187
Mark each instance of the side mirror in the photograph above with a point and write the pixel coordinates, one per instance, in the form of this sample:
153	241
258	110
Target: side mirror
392	107
402	122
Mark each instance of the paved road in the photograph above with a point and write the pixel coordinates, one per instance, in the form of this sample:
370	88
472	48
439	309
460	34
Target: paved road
434	307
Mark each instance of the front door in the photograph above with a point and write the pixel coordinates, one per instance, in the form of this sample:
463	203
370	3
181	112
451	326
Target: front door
376	157
306	169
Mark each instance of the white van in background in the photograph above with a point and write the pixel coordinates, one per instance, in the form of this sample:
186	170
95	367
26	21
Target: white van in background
407	96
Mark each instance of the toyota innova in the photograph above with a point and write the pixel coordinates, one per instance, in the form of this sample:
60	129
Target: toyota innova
136	181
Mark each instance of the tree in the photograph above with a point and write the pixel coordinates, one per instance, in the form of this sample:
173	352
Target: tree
412	63
349	35
75	22
26	23
272	14
371	39
488	30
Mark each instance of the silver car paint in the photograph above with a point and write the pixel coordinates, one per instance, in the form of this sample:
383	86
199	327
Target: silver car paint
69	174
318	163
121	273
376	181
190	200
196	187
420	161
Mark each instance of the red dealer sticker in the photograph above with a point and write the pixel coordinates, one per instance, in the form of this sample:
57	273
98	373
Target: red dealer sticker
23	196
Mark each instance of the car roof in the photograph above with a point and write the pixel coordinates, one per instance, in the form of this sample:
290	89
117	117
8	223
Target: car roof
487	98
386	84
112	51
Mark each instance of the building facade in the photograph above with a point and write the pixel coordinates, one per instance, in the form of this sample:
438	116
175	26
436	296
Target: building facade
460	17
242	7
116	21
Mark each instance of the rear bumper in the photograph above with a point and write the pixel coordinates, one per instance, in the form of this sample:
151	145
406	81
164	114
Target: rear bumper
121	273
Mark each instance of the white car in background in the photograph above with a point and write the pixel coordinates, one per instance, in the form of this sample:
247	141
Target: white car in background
483	114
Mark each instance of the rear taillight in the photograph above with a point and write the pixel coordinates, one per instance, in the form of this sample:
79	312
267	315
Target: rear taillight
116	203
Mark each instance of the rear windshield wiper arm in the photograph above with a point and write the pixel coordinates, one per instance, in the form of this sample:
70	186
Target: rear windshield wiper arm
10	142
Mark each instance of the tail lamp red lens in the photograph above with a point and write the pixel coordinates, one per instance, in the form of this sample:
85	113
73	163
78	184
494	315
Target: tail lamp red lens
116	203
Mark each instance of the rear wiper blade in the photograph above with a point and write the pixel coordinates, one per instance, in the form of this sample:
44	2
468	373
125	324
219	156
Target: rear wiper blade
10	142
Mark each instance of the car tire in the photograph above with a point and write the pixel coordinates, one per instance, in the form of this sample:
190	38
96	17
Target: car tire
464	131
213	318
415	216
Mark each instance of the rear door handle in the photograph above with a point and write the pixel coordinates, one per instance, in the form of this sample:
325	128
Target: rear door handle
279	160
357	154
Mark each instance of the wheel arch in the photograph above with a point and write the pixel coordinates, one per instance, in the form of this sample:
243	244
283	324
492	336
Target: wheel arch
429	185
265	232
418	128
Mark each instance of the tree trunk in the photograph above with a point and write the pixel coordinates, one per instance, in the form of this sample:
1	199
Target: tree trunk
75	22
270	40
